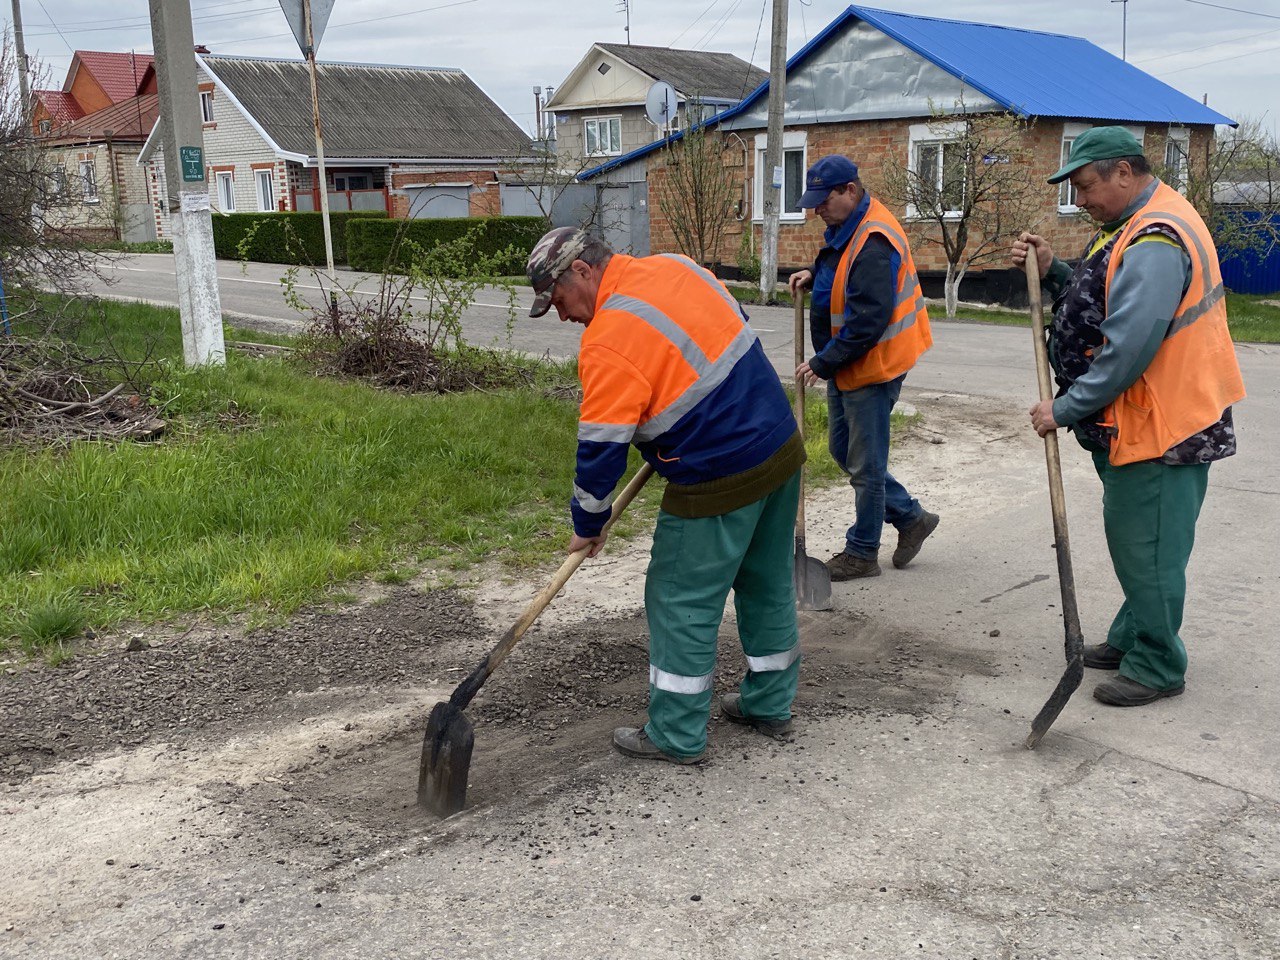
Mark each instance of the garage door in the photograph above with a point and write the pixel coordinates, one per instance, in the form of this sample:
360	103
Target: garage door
439	200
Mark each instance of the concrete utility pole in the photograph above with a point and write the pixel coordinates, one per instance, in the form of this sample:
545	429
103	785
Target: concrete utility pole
24	82
189	210
772	175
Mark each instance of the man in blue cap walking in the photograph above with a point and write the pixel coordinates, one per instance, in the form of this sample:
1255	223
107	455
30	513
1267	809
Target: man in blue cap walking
869	326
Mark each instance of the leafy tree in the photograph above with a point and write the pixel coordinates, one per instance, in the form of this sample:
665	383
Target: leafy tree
699	192
969	184
1236	187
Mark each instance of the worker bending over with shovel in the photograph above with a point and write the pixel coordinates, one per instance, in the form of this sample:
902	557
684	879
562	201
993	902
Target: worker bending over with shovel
668	363
1147	375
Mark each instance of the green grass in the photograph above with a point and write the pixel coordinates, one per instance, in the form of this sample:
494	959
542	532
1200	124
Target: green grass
1250	319
311	483
272	489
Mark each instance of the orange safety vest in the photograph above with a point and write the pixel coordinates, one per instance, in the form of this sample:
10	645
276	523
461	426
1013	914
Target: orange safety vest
1194	376
683	339
908	334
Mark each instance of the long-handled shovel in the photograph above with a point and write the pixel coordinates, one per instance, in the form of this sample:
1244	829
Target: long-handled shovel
1066	580
446	748
813	579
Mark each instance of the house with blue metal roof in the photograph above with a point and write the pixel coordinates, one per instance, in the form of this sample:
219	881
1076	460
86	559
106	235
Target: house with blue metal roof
878	86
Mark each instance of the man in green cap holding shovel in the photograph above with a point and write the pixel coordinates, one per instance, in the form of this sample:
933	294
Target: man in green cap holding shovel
1147	375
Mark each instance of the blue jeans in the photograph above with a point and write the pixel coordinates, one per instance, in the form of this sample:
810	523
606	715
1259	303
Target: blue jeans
858	437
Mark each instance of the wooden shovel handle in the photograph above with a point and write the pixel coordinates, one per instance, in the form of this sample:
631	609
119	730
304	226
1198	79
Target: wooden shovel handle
1053	460
799	405
470	686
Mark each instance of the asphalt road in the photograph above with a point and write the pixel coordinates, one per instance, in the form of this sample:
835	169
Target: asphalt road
976	359
1151	833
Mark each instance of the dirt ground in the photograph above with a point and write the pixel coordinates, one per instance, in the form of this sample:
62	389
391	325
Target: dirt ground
127	774
346	789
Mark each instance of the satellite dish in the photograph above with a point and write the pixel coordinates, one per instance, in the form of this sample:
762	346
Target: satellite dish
660	104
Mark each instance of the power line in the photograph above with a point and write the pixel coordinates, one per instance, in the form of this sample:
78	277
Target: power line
1206	46
718	25
139	24
349	23
672	42
1218	6
1209	63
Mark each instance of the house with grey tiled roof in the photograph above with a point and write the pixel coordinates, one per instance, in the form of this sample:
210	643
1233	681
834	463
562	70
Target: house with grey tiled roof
599	108
415	141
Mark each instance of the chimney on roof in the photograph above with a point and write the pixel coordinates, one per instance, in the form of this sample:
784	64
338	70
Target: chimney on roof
201	48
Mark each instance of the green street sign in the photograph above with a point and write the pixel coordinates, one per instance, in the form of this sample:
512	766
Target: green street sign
192	164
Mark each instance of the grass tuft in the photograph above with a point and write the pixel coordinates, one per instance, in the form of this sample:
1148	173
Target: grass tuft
49	623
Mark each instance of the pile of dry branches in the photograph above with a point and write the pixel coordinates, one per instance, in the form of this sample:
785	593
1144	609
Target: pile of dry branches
51	393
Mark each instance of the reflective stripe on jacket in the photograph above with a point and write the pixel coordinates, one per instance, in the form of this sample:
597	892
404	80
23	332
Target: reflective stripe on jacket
668	363
1194	376
908	335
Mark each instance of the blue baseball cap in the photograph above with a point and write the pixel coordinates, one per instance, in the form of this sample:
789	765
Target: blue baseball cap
824	176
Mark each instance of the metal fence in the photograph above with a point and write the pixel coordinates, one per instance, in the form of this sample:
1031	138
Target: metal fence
1253	272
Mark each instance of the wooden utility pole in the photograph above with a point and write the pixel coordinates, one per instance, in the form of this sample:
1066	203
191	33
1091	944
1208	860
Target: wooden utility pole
190	217
772	175
315	119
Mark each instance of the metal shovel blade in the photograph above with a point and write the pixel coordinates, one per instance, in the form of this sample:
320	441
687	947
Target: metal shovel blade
813	581
446	760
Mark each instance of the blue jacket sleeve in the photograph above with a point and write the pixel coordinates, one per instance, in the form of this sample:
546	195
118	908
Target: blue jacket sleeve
868	307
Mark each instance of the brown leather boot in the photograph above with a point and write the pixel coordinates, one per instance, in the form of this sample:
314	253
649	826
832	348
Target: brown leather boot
912	539
845	566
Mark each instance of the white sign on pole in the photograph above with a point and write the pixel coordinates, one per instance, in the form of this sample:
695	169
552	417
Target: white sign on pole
320	10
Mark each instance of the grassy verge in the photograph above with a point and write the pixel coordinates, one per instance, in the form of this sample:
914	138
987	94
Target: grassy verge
269	487
1250	318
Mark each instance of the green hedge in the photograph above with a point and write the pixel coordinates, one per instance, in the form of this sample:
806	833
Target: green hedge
294	237
370	242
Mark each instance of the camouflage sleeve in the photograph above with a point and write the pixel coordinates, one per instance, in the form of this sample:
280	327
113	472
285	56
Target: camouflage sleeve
1144	294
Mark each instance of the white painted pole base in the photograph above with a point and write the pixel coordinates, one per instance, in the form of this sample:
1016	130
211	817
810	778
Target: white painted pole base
198	298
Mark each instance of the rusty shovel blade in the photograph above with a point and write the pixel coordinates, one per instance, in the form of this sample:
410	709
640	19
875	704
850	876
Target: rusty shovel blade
446	760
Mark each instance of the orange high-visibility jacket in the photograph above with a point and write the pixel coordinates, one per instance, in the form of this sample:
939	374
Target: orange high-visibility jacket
1194	376
908	334
669	364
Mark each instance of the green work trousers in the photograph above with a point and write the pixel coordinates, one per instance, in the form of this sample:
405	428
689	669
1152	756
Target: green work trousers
1149	512
693	565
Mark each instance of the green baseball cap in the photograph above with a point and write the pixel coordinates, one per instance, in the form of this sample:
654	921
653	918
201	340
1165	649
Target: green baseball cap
1098	143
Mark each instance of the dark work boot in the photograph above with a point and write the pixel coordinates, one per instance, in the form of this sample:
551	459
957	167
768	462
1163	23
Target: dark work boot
1102	656
845	566
634	742
913	537
731	709
1120	691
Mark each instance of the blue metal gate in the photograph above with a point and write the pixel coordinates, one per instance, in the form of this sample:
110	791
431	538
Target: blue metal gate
1252	272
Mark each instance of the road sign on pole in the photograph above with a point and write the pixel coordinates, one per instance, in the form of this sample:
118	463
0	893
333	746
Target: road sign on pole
296	15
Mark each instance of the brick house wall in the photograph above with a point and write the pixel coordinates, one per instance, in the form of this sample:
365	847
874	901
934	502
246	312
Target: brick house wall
879	144
91	218
231	144
484	197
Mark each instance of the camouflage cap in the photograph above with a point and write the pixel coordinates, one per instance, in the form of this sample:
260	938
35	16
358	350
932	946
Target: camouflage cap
549	260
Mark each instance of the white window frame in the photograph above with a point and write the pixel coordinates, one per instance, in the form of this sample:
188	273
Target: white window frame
88	182
1066	193
590	123
793	142
921	134
265	183
227	194
206	106
1179	137
58	186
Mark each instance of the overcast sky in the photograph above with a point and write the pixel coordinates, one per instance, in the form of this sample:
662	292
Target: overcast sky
1228	49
